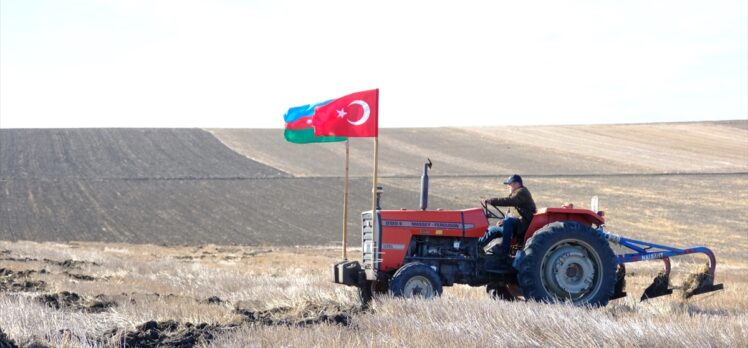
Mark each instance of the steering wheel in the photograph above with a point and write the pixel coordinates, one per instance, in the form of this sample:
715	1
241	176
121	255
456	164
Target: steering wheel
489	213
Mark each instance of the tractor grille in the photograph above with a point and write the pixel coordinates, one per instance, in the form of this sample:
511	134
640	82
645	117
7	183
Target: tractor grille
369	245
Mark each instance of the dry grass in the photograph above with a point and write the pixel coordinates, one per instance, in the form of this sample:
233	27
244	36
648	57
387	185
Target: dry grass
160	283
452	322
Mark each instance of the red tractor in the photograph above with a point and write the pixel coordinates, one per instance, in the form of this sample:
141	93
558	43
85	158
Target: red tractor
565	255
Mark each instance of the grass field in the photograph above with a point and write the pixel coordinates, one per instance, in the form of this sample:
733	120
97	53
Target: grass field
281	296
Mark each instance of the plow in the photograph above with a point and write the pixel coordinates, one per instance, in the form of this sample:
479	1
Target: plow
564	256
701	283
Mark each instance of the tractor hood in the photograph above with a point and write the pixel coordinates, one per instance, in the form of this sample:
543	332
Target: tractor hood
454	223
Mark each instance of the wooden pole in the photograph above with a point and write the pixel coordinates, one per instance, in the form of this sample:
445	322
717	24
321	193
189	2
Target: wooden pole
345	204
374	185
374	180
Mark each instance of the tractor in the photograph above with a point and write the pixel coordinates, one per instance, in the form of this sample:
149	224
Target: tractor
565	255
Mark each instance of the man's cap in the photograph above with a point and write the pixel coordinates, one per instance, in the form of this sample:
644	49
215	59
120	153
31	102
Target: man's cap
513	178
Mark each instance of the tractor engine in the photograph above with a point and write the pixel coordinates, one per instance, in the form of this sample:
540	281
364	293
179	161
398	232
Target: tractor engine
457	248
454	258
446	240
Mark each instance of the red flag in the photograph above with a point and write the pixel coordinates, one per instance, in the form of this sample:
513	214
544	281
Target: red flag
354	115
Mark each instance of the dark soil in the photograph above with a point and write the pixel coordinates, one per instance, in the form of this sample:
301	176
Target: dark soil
213	300
189	257
19	259
73	301
121	153
10	273
18	281
67	264
175	212
313	316
80	276
174	334
166	334
5	341
70	264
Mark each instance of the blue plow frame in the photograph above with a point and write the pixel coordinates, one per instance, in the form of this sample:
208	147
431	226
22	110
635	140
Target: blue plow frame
645	251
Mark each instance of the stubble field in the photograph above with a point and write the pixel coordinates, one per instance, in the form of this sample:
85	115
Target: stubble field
216	296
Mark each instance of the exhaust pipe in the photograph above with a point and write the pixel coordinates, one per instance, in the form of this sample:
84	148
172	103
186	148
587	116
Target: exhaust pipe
425	185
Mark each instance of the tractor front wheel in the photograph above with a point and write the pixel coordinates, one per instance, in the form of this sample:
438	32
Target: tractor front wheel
415	279
568	261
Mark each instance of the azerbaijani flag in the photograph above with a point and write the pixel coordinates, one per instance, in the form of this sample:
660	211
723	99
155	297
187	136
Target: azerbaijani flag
299	127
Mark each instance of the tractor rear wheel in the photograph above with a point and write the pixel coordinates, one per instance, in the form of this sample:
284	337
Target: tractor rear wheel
568	261
415	279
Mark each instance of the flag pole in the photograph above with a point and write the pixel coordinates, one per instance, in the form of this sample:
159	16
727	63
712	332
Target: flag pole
345	204
374	181
374	185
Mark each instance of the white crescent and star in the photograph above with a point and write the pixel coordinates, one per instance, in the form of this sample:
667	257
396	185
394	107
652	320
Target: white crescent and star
364	117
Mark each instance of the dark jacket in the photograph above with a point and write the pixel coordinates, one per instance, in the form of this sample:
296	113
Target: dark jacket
524	206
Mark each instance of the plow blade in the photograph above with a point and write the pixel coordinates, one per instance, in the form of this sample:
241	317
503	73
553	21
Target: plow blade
700	283
620	288
706	288
659	287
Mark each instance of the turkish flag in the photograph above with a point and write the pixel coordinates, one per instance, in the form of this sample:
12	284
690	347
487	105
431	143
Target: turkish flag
354	115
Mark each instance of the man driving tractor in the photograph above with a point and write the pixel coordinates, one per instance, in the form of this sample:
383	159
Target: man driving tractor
521	200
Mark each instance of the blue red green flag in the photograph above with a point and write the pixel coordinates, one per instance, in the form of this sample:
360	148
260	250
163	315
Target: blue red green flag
299	127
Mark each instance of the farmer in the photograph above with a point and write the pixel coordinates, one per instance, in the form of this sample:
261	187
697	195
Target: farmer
521	200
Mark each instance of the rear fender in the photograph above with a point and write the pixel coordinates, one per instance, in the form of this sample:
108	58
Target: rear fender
546	216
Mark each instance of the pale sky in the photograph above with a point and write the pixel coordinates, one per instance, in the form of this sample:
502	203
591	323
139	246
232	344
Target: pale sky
192	63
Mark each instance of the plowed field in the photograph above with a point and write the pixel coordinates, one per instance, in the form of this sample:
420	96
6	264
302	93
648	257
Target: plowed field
190	186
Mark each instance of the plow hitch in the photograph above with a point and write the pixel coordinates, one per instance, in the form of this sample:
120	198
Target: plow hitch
696	284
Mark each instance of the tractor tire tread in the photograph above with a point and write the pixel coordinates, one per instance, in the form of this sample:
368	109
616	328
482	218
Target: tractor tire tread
398	280
535	249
